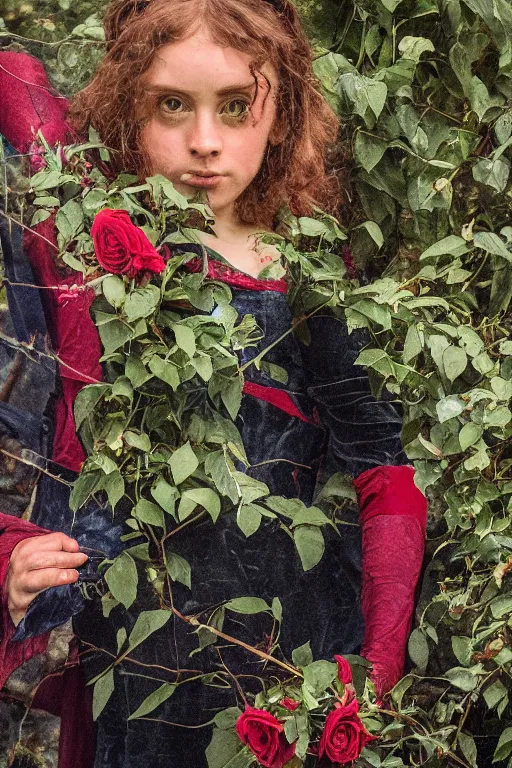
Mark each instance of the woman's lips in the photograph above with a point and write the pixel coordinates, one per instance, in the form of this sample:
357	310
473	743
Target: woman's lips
201	182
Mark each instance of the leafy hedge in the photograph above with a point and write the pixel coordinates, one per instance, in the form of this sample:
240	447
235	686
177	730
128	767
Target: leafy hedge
422	87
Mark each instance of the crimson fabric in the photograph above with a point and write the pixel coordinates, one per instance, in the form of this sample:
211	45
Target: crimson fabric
29	103
217	270
277	397
393	519
74	338
390	491
13	655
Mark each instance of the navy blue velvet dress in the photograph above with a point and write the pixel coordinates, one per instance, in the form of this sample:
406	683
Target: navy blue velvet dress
335	419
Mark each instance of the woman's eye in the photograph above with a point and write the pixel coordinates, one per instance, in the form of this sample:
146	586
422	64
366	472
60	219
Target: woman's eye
172	105
236	108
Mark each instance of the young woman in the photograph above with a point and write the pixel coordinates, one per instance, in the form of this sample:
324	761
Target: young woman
220	96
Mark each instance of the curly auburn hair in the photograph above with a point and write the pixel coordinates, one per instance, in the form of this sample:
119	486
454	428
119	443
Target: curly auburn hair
293	172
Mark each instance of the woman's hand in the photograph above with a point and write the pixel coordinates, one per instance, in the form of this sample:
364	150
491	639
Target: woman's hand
38	563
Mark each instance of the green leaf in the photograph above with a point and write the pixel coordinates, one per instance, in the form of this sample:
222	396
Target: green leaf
69	222
87	400
248	605
165	495
493	173
455	361
147	622
203	366
369	150
185	339
178	569
364	94
224	746
122	579
153	700
136	371
453	245
400	689
183	463
319	675
462	678
249	519
462	649
141	302
226	720
221	470
149	513
114	335
504	748
121	636
468	748
277	609
469	435
231	395
501	606
39	216
165	370
113	484
495	693
103	690
205	497
412	344
310	545
374	231
310	516
302	656
491	243
449	407
501	388
114	290
418	650
136	440
413	47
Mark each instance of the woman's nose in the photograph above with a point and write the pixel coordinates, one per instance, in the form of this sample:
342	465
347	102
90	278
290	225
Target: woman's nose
205	138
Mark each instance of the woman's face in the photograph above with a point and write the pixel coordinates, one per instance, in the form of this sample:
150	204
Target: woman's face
202	132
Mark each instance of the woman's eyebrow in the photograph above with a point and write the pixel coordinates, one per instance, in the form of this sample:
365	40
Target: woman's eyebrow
236	87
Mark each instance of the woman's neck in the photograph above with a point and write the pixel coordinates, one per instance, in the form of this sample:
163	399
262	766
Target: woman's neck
238	244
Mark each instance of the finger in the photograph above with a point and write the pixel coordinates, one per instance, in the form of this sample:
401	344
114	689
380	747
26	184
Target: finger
45	578
60	541
52	559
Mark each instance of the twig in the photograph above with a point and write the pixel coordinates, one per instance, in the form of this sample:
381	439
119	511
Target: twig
35	466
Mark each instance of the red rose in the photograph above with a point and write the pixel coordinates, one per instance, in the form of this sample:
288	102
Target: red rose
121	247
344	670
290	704
264	735
344	735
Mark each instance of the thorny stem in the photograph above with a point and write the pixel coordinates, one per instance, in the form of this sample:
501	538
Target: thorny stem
195	623
35	466
50	44
26	348
140	663
183	525
29	229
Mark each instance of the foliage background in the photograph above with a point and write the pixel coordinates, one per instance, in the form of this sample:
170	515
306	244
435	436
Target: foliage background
423	88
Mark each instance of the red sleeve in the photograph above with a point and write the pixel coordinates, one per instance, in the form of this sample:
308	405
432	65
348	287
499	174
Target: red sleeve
29	103
393	521
12	655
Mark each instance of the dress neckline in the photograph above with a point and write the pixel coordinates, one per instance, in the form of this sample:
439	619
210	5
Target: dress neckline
219	257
